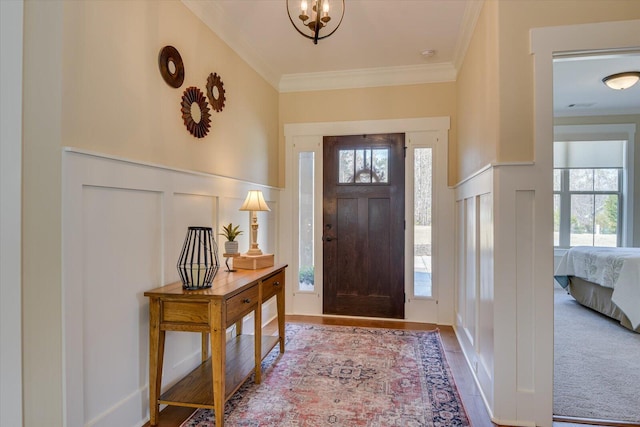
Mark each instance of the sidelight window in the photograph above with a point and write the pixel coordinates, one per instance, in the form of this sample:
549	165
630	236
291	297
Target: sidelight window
422	221
306	270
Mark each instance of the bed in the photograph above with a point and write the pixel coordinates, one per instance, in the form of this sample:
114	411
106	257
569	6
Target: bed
604	279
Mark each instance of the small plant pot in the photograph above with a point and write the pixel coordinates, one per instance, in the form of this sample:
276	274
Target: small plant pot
231	247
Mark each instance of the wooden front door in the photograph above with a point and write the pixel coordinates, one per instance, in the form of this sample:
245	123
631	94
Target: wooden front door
363	225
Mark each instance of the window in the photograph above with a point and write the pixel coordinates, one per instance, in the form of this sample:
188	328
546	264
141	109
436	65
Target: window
587	207
306	270
588	188
363	166
422	209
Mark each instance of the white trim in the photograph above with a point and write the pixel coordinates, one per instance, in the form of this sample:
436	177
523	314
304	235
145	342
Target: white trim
370	77
310	134
159	166
11	40
467	28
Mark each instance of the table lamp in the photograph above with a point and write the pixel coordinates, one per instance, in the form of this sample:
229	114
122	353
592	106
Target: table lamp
254	203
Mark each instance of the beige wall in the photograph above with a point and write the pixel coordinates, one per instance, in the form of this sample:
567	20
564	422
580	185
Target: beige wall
501	45
116	102
91	81
478	95
395	102
607	120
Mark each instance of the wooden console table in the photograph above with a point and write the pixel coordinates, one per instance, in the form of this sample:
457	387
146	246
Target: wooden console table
211	311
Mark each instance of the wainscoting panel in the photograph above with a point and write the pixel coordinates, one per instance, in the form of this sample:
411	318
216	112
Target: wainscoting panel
510	263
471	263
474	280
124	224
485	301
525	203
119	249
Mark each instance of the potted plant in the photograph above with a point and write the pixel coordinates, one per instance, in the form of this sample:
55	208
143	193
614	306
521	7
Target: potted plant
231	232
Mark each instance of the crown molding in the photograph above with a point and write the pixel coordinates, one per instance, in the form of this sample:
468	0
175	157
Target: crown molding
370	77
214	17
468	26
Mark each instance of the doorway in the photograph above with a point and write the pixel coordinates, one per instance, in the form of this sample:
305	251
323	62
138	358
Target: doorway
301	244
545	43
363	225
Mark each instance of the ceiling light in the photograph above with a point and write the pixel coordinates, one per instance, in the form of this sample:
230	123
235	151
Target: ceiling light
312	20
622	81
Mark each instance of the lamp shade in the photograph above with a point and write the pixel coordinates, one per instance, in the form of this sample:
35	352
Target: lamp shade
254	202
622	81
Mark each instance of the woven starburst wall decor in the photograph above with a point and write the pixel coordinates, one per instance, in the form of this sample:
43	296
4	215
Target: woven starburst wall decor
194	107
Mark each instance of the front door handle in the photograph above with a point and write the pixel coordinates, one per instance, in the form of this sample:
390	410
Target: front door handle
328	238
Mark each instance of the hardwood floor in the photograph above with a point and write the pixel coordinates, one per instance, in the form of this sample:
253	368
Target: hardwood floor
173	416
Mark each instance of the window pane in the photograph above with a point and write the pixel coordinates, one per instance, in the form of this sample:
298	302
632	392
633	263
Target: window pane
363	166
345	170
581	179
306	274
556	220
557	179
606	179
606	229
422	207
582	219
380	164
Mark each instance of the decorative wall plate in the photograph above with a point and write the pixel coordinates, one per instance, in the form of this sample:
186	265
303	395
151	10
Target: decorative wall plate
215	92
171	66
192	95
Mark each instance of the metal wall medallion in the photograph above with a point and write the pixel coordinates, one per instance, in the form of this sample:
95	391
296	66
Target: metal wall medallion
171	66
215	92
195	112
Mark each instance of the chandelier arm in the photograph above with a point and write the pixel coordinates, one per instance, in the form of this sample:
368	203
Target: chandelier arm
294	24
337	26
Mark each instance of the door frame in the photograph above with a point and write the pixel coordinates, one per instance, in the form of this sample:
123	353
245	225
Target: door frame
308	137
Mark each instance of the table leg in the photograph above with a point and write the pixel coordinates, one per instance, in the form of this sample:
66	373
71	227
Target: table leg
156	357
257	344
280	314
218	358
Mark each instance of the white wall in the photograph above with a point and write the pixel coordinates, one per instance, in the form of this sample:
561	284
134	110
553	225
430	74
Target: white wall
124	224
11	14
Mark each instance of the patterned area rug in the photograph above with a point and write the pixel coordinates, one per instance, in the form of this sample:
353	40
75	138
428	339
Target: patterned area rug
348	376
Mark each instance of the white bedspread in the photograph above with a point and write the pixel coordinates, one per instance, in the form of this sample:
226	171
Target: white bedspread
617	268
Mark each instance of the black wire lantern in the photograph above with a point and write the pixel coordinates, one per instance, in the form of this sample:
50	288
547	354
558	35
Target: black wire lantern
198	262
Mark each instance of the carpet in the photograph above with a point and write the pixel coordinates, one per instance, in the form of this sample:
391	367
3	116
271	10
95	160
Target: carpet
348	376
596	369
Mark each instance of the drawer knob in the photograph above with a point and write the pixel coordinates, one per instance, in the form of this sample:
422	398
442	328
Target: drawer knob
246	300
276	283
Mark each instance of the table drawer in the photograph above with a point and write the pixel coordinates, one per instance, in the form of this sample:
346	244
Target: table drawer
241	304
272	285
185	312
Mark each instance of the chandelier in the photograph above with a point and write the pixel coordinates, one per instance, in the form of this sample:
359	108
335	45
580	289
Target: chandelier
314	17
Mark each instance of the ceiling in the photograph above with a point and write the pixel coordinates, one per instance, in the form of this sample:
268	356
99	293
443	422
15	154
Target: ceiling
380	42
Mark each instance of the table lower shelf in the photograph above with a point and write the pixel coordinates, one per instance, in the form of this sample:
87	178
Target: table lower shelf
196	389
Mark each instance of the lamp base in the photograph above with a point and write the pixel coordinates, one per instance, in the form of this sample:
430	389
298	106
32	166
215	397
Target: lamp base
249	262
